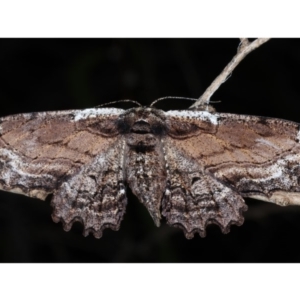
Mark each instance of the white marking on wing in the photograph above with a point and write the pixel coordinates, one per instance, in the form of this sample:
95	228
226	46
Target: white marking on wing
280	198
298	136
202	115
95	112
13	165
276	171
273	171
267	142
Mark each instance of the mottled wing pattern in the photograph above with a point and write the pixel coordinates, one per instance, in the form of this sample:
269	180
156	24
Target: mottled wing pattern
66	153
95	196
216	159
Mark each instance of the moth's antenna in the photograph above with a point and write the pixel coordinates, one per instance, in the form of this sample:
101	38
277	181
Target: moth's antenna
126	100
171	97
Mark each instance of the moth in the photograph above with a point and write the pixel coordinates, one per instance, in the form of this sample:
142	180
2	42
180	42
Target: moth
193	167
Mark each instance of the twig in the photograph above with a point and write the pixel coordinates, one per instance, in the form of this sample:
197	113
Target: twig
245	47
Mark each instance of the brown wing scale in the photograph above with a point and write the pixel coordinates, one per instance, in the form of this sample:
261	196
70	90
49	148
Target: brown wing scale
55	152
95	196
242	156
195	199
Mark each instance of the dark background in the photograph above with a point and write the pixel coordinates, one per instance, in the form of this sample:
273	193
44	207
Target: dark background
56	74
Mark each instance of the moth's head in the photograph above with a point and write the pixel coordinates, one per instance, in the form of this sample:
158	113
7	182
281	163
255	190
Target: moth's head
142	126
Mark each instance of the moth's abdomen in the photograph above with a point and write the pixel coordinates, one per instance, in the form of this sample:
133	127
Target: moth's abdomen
146	176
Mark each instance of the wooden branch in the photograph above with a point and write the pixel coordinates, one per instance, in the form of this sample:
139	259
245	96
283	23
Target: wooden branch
245	47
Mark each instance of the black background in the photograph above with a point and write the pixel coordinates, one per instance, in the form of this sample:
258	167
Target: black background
56	74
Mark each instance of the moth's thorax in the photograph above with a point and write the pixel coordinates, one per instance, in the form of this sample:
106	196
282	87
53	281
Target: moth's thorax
142	127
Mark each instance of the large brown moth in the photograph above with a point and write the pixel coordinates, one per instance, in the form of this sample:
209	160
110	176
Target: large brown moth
191	166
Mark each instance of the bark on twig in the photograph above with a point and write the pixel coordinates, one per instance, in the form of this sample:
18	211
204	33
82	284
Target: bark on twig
245	47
